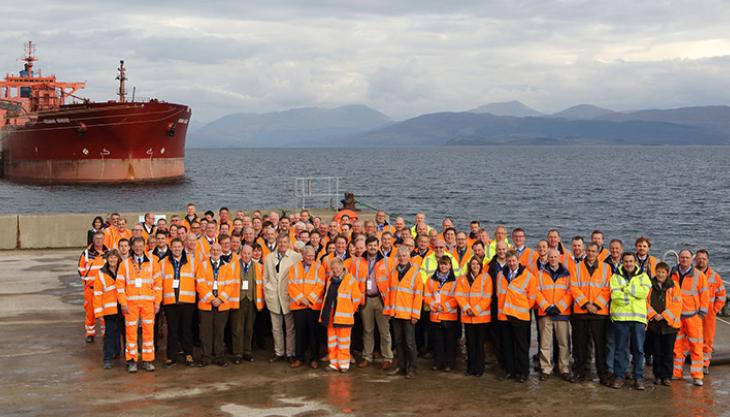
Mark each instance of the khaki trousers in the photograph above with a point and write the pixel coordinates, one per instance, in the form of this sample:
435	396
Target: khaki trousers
372	314
561	329
278	324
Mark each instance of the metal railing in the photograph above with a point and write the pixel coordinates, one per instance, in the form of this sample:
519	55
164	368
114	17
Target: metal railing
307	189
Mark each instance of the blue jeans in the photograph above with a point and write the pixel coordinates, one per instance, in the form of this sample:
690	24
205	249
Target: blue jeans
622	331
610	346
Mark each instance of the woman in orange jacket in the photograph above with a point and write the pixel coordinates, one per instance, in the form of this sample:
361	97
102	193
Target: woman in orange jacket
106	308
341	301
444	314
474	295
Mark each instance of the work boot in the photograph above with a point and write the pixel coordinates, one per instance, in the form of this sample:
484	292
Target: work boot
169	363
108	364
296	364
617	384
132	367
698	382
544	377
639	385
89	339
387	365
148	366
331	368
657	381
706	370
521	379
363	364
666	382
277	359
344	370
567	377
248	358
411	374
222	363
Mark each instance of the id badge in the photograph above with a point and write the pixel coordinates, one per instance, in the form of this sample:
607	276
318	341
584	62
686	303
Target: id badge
215	285
370	285
244	285
138	282
175	283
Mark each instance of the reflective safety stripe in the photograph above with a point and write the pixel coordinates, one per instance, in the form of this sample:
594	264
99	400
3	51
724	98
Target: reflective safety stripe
141	298
407	310
630	315
110	305
514	307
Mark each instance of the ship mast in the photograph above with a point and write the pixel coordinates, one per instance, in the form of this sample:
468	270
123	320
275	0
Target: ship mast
122	77
29	59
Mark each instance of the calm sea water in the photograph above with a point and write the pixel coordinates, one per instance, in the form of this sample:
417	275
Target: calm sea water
678	196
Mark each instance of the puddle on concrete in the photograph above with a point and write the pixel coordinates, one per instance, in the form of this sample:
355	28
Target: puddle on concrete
297	406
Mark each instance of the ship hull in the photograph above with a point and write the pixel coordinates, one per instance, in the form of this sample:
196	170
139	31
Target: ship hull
98	143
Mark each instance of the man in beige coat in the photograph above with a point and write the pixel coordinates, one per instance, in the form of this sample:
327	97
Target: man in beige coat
276	293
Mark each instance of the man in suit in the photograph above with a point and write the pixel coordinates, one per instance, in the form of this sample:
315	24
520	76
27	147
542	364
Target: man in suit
276	294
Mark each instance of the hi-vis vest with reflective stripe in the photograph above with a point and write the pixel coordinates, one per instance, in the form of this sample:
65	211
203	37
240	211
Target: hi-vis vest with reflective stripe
628	296
516	298
476	298
695	294
586	288
554	293
105	295
187	282
436	294
357	266
405	296
89	265
672	306
236	270
306	285
717	292
205	282
348	299
150	289
462	263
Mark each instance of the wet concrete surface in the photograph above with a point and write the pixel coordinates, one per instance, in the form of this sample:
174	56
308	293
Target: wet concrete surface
48	370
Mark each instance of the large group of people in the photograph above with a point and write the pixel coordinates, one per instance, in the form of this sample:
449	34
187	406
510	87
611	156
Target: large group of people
322	288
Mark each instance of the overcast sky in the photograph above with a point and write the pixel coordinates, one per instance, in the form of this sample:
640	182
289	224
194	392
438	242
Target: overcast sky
401	57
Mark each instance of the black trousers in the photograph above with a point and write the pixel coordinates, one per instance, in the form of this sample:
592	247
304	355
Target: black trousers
424	338
405	342
262	328
306	326
475	335
112	337
515	340
492	336
212	328
445	342
583	331
663	351
179	329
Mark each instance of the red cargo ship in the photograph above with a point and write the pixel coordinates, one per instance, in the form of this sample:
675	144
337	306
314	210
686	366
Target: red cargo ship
46	140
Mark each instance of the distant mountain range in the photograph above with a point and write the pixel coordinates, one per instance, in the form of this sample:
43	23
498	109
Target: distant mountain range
508	123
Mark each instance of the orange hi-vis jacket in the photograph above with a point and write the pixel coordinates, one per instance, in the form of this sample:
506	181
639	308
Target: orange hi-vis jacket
517	297
717	292
462	263
238	286
649	263
672	306
603	255
528	257
110	236
202	249
571	262
151	231
554	292
208	284
591	288
695	294
405	296
265	250
436	295
105	294
383	268
306	285
476	298
185	284
138	283
349	298
357	266
90	263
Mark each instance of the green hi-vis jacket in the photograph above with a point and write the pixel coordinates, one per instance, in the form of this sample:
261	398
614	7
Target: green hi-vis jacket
629	294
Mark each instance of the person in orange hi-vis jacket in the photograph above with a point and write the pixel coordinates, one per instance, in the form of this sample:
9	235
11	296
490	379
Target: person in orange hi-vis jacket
718	297
341	300
403	304
474	295
695	304
105	306
140	294
215	286
306	288
439	295
90	262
